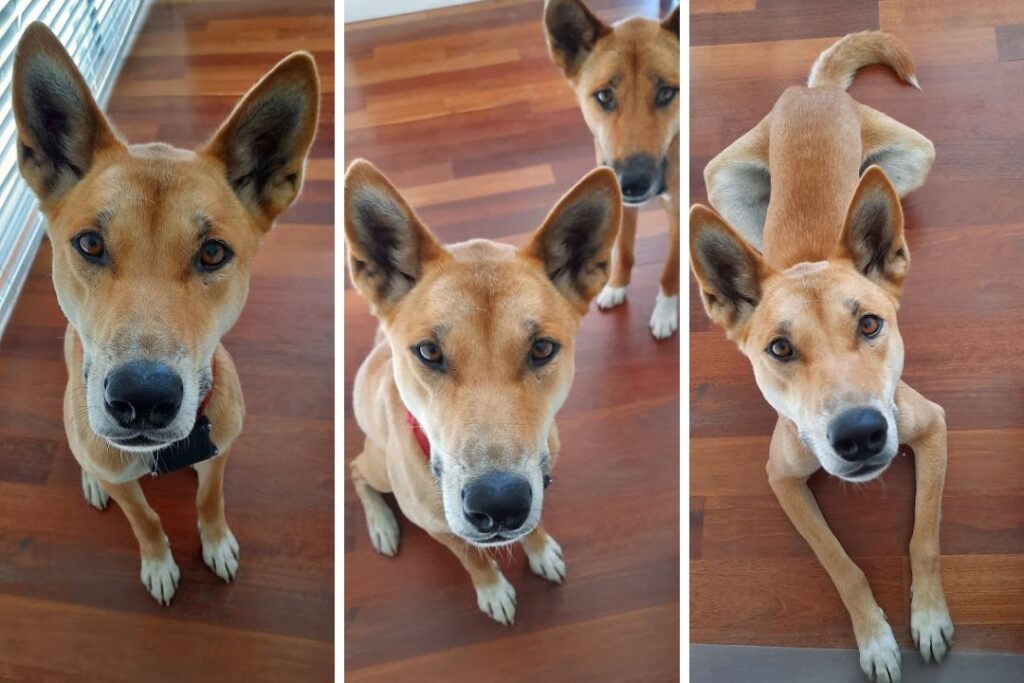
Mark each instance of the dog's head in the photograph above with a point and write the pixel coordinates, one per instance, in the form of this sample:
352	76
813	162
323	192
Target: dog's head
481	336
822	337
152	245
626	78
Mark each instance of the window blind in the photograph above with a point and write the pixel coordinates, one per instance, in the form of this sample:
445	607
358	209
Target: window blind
97	34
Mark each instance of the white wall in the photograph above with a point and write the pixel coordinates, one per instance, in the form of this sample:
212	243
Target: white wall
361	10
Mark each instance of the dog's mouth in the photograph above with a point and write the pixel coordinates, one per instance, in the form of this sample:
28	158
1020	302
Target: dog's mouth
495	540
139	442
865	471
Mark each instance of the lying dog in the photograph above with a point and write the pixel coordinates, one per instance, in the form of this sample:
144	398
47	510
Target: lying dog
474	357
816	186
152	248
626	78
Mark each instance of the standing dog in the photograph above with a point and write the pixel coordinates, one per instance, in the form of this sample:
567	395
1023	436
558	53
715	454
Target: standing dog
626	78
816	315
474	357
152	248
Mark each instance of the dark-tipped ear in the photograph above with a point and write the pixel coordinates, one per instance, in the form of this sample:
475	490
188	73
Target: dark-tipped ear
571	31
574	244
264	142
388	245
873	235
671	22
60	127
729	271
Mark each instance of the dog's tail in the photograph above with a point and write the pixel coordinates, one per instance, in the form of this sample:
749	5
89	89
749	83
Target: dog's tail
838	64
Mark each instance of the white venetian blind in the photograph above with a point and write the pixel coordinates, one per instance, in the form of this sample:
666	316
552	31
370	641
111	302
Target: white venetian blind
96	33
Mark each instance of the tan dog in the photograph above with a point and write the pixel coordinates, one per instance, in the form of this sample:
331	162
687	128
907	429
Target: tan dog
816	315
474	357
626	78
152	248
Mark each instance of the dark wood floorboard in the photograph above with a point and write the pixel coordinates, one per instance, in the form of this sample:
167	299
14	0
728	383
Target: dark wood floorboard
464	111
71	604
753	579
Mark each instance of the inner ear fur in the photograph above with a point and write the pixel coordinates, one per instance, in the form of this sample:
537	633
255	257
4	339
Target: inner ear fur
571	30
873	235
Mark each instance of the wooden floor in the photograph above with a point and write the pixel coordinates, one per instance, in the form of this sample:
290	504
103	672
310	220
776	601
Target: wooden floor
753	579
464	111
71	604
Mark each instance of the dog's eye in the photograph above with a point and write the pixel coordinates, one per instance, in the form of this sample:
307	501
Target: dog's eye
542	351
213	254
429	354
90	245
665	95
781	349
605	98
870	325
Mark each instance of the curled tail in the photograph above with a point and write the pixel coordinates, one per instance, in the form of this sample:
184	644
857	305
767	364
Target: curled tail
838	64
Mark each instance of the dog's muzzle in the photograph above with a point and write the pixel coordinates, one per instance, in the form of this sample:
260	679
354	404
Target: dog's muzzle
640	177
143	395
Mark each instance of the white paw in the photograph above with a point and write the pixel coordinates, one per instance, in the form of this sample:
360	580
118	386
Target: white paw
383	528
549	562
160	577
498	600
94	493
221	556
665	319
610	297
880	656
932	630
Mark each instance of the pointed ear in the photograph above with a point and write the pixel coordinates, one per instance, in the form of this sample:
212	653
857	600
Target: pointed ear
671	22
264	142
873	235
388	245
571	31
729	271
60	127
574	244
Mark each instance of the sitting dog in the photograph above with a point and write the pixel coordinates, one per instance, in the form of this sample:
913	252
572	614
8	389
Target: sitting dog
626	78
815	186
474	357
152	248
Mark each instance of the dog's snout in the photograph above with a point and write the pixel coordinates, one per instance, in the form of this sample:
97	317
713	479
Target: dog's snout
143	394
637	175
497	501
858	434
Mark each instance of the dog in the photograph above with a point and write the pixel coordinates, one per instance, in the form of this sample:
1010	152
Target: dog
803	265
152	248
473	359
626	79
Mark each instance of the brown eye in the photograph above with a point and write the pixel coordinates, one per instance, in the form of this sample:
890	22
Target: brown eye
90	245
781	349
870	326
542	351
213	254
430	354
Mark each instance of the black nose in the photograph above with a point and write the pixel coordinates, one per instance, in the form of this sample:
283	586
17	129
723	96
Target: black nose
858	434
497	502
143	394
637	174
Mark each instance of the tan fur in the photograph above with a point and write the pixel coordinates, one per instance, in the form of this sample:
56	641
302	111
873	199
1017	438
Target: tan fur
833	251
149	301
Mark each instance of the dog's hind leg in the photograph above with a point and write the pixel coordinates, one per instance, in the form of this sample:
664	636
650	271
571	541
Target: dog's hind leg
905	155
545	555
220	548
614	293
93	492
380	520
159	573
495	596
739	184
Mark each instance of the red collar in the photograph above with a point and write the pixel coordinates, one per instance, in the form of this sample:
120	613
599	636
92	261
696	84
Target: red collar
418	434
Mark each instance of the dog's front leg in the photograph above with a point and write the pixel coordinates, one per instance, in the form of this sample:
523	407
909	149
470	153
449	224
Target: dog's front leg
879	653
665	318
922	426
495	596
220	548
614	293
545	555
159	573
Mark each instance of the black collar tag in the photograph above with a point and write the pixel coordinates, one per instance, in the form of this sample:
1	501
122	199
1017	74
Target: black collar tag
196	447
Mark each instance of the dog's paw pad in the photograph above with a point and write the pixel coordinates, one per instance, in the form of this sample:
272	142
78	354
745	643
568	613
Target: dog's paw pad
880	657
498	600
383	528
665	318
160	577
221	556
548	562
610	297
932	630
94	493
